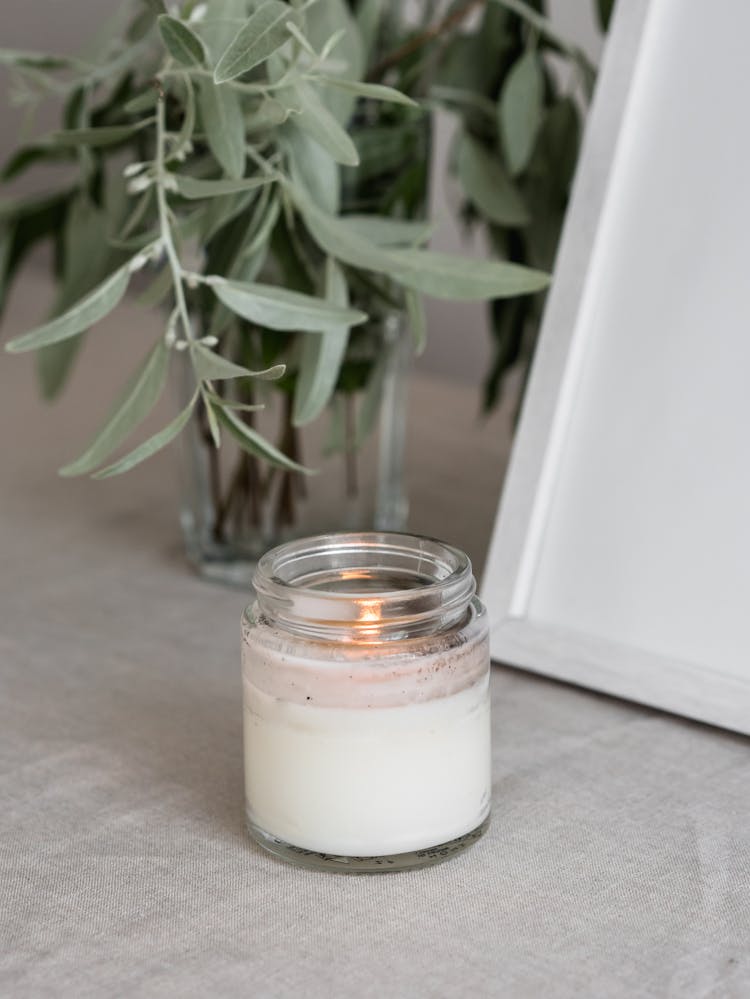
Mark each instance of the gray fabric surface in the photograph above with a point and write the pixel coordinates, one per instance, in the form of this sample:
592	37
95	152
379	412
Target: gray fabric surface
617	863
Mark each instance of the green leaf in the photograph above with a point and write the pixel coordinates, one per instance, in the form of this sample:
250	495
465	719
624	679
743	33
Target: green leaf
324	19
139	398
85	257
300	39
417	320
27	156
375	91
269	114
181	43
261	225
244	407
294	266
520	110
150	446
558	144
213	367
320	124
241	269
279	309
29	221
35	60
461	64
337	239
96	137
132	223
604	10
387	232
220	26
321	355
142	102
465	100
251	441
230	225
193	188
85	251
224	125
509	320
444	275
487	186
547	181
86	313
213	423
312	168
263	34
220	211
440	275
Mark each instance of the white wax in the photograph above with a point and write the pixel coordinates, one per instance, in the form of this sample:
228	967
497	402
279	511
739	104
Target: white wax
368	781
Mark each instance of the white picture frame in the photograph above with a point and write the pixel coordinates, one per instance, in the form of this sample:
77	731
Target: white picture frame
620	558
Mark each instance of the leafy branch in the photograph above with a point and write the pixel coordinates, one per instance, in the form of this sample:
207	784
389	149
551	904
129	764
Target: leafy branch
240	136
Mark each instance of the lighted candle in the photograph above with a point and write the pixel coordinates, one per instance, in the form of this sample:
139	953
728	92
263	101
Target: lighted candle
366	673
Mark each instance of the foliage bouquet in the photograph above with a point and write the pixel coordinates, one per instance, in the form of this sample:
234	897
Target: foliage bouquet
257	170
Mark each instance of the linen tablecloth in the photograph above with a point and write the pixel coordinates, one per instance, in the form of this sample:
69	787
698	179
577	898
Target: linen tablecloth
617	862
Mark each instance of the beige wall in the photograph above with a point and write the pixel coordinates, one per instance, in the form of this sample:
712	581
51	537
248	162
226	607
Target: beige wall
459	342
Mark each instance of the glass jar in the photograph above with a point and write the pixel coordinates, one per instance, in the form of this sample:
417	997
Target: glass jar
366	703
235	506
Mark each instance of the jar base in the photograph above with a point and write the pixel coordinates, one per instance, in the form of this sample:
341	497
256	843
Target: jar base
413	860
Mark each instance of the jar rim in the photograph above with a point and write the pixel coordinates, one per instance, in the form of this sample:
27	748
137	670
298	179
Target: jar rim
328	585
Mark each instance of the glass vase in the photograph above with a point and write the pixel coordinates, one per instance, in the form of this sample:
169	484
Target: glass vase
235	505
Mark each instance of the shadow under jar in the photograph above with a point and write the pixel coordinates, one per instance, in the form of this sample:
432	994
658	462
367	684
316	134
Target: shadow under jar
366	703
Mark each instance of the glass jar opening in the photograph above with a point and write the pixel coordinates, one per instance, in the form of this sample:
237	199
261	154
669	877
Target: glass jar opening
364	586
